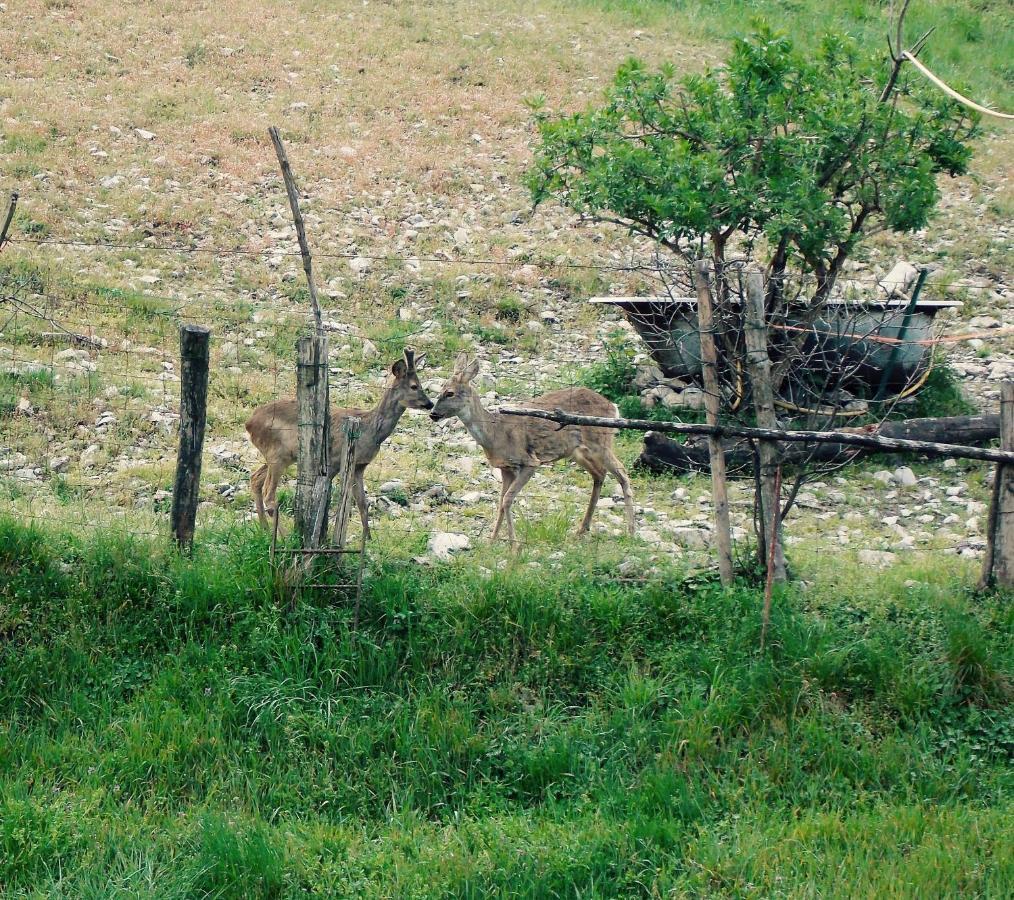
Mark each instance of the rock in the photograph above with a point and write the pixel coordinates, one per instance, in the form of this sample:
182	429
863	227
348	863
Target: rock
144	135
646	377
648	535
436	493
692	538
360	265
905	477
983	322
59	463
24	407
884	477
950	463
369	349
879	559
392	487
442	544
471	497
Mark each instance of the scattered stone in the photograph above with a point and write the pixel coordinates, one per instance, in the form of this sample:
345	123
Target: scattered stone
905	477
360	265
883	476
392	487
471	497
144	135
443	544
59	464
879	559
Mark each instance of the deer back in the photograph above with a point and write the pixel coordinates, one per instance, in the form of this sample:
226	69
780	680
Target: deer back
547	441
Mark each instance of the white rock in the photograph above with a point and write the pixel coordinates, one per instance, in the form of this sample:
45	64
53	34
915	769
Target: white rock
442	544
25	407
883	476
692	538
59	463
471	497
649	536
369	349
360	265
905	477
877	558
144	135
392	487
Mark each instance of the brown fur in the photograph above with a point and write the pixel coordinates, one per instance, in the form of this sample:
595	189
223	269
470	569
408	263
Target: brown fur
272	430
518	446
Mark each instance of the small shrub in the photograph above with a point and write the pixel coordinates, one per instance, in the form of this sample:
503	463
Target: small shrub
509	309
940	396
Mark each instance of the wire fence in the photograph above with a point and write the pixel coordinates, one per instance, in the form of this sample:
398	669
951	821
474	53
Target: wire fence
89	395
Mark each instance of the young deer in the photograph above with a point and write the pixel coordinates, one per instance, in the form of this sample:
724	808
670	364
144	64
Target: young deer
272	430
518	446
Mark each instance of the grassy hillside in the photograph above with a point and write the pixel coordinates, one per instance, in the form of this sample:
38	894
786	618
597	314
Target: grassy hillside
168	729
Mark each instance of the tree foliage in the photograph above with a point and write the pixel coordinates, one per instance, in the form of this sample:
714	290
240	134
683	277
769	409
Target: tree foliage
788	156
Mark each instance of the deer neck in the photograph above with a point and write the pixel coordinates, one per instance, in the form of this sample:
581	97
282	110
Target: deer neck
479	422
385	417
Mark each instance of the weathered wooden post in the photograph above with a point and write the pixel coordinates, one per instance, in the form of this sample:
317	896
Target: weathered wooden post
5	227
712	403
345	464
759	369
998	564
194	343
314	438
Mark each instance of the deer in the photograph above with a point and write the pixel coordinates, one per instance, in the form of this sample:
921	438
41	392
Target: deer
517	446
272	430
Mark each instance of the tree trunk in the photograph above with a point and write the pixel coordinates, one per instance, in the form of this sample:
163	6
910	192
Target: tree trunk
712	400
769	531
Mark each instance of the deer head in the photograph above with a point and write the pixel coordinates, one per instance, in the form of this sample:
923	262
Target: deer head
457	391
404	382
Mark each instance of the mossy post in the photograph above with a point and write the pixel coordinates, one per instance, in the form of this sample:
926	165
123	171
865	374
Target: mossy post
313	459
194	356
998	564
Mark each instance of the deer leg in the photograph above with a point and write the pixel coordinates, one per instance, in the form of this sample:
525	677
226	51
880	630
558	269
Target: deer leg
521	478
506	479
359	492
620	474
272	476
592	502
594	466
257	489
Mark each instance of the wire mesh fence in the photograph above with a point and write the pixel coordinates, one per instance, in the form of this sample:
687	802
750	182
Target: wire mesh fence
90	394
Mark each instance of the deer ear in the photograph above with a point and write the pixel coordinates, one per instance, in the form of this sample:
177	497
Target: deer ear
410	358
470	371
399	369
461	363
420	361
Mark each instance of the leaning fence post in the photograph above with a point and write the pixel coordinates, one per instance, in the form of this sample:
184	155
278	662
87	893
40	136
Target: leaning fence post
314	439
346	465
194	342
712	399
759	369
998	564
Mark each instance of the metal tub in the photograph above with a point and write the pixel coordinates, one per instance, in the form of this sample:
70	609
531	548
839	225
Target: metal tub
845	335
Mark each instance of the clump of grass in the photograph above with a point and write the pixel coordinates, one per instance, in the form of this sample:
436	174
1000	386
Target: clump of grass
509	309
941	395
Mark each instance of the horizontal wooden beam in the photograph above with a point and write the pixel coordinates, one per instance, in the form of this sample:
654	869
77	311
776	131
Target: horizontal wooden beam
850	438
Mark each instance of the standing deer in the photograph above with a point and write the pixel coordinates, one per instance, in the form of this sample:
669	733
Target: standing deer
518	446
272	430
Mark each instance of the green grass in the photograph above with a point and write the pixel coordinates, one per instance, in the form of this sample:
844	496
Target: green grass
972	47
168	728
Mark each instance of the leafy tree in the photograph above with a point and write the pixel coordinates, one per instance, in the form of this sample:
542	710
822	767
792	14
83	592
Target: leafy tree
789	157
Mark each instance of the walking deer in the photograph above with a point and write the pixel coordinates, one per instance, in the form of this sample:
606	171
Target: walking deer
272	429
517	446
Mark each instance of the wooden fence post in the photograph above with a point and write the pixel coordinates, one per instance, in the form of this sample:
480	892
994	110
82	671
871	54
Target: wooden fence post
194	343
712	402
313	477
759	369
998	564
346	465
